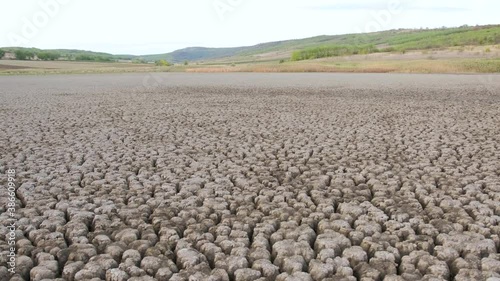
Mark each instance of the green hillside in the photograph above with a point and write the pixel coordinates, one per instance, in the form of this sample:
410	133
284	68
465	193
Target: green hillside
195	54
401	40
393	40
68	54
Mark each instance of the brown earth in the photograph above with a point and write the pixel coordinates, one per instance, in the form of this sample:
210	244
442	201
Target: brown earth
252	176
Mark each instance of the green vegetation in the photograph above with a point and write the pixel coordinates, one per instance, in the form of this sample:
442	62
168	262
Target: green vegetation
162	63
64	54
2	53
195	54
48	55
97	58
485	66
293	55
139	60
331	51
422	64
442	38
401	41
24	55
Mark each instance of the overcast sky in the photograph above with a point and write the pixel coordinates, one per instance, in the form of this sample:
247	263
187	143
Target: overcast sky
160	26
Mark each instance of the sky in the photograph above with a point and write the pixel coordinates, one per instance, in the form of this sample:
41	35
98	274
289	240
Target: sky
161	26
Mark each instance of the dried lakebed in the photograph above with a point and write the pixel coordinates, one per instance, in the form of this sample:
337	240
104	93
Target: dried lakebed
251	177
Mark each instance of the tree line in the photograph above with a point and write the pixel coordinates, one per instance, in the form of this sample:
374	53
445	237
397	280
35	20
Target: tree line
21	54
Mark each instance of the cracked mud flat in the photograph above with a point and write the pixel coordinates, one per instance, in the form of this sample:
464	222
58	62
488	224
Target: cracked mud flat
252	177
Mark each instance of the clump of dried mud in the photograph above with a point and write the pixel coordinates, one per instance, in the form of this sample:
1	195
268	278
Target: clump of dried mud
253	183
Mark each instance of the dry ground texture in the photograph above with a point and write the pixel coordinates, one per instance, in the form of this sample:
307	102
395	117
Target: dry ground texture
252	177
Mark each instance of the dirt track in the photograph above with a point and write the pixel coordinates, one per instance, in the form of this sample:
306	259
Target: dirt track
252	176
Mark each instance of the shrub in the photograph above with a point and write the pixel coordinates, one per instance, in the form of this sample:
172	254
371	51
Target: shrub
2	53
331	51
388	50
139	60
162	63
103	59
186	62
48	55
23	55
86	57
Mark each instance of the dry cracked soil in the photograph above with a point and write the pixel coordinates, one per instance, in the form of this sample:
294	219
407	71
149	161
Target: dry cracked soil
247	177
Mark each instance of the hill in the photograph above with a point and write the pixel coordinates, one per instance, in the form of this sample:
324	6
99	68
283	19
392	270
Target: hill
71	54
400	40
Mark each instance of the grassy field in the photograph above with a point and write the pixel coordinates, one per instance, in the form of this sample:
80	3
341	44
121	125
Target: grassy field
469	59
415	66
447	50
15	67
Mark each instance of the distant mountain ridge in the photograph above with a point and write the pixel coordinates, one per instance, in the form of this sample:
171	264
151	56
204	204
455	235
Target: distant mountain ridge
391	40
195	54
